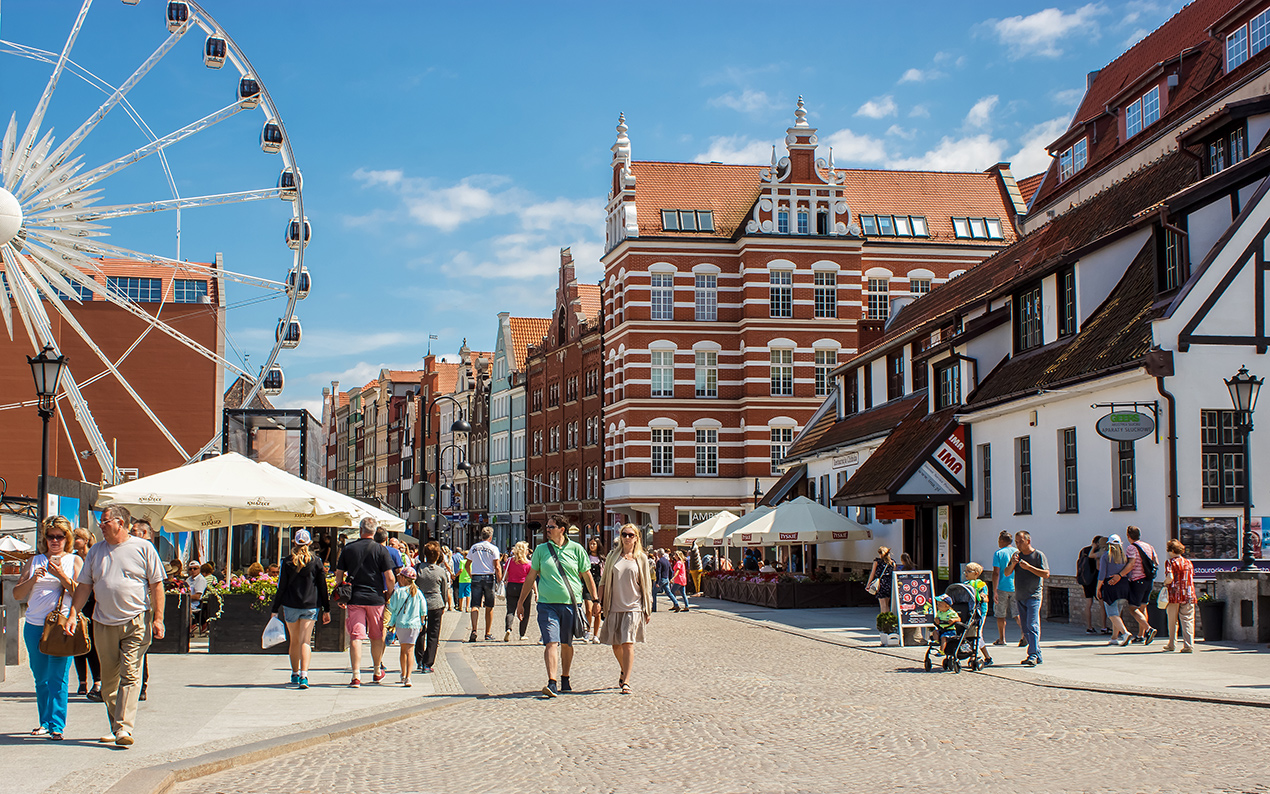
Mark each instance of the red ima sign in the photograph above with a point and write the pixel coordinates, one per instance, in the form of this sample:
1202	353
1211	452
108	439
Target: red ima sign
952	454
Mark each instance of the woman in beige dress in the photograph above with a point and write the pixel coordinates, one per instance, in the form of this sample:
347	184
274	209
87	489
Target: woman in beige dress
626	599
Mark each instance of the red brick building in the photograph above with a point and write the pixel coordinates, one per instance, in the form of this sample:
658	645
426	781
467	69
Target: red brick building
182	388
564	430
731	291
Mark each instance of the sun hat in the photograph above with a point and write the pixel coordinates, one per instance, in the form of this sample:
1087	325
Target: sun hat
301	537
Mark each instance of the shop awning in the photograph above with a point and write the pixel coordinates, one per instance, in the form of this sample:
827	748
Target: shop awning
784	485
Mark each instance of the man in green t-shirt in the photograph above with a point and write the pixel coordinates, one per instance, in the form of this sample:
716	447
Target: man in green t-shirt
557	594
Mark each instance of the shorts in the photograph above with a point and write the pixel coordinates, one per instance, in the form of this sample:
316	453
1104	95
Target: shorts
1091	590
555	622
464	591
1113	608
408	636
482	588
364	622
1139	591
294	614
1004	606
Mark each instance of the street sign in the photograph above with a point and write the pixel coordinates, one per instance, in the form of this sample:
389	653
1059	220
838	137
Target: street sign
1125	426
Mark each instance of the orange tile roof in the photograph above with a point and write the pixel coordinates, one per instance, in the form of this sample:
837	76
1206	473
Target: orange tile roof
731	190
527	331
1028	186
343	399
590	295
405	375
447	377
727	190
938	195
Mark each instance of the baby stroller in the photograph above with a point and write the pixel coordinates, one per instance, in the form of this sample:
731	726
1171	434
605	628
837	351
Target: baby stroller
965	645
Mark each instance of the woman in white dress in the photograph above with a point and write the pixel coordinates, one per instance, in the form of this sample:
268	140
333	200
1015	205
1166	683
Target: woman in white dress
626	600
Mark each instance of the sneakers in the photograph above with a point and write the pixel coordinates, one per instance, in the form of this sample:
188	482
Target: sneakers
489	637
550	689
303	683
507	636
123	740
94	696
378	677
1030	661
406	683
1188	649
295	679
1114	641
1150	636
1125	639
356	683
1091	630
589	638
595	640
107	739
564	684
988	662
471	637
427	669
1138	640
1022	642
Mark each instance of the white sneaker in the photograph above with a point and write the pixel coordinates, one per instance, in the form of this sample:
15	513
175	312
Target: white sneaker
507	636
595	640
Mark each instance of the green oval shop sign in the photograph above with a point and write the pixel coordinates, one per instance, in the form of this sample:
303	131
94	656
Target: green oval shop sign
1125	426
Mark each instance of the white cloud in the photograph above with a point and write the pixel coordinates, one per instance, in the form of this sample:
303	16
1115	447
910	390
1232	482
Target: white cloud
1068	97
1137	35
900	132
973	153
736	149
919	112
980	114
1041	34
747	101
324	342
450	207
562	212
878	108
1032	158
920	76
525	256
849	147
390	178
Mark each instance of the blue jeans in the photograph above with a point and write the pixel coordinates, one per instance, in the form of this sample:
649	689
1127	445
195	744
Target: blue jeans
682	589
664	586
1030	615
52	676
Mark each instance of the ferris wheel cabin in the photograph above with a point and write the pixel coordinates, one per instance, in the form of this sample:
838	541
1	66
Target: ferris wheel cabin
214	52
248	93
305	283
178	15
289	332
286	185
271	138
272	382
293	233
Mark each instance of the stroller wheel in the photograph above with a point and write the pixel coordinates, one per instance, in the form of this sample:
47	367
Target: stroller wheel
974	665
956	666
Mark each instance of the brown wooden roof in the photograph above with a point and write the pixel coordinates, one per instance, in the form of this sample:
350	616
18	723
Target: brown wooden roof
237	392
904	450
831	433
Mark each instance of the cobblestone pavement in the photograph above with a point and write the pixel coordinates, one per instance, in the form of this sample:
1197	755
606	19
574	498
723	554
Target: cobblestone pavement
721	706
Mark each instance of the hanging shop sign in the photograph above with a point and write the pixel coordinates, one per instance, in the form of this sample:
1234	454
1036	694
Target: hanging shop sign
1125	426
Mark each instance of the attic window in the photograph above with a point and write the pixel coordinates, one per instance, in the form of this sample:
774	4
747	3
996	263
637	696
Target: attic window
894	226
1247	40
1142	112
1073	159
687	220
977	228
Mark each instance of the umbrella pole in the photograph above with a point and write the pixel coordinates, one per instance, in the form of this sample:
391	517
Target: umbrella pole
260	528
229	546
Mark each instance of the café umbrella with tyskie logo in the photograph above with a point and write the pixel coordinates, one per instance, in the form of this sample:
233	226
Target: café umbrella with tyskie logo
797	521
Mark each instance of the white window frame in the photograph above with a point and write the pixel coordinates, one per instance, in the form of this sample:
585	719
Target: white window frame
878	301
826	362
779	440
826	295
780	293
706	371
662	447
706	297
661	373
707	451
781	364
661	296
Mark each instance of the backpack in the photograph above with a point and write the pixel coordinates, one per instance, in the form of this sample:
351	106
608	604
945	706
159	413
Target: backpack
1082	567
1149	564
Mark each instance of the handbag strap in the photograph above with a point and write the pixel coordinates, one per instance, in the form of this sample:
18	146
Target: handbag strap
552	548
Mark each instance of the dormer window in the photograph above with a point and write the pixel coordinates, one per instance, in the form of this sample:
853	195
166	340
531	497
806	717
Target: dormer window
1226	149
782	220
1142	112
1247	40
1027	319
1171	268
894	226
804	221
977	228
1073	159
687	220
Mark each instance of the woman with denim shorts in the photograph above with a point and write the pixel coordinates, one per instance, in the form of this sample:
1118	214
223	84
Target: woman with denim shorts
301	595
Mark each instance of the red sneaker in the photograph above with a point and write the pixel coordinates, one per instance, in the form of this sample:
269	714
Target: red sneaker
356	683
379	676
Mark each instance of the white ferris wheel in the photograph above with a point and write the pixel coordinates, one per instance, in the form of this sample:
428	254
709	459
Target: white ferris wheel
58	217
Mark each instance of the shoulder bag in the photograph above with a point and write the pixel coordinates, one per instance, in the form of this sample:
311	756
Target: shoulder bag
580	623
54	642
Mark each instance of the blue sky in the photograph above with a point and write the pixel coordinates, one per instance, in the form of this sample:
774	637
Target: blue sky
450	150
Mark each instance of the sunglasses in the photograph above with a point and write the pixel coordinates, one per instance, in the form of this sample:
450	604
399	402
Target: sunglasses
628	534
55	537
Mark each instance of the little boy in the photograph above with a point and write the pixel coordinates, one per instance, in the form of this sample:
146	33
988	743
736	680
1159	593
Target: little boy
973	571
946	620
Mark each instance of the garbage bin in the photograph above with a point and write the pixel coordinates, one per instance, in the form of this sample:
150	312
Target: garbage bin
1212	620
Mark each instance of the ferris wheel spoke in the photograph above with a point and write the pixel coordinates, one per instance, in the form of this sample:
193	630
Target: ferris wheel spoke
37	118
84	415
76	214
69	145
7	146
98	174
28	305
37	154
81	248
49	268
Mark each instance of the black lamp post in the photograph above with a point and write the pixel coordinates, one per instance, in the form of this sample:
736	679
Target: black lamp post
1243	394
758	493
458	426
47	371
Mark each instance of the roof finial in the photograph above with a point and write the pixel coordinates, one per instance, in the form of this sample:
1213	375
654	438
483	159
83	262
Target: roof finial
622	147
800	114
621	127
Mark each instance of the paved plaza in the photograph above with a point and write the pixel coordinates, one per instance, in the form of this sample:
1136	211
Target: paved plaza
727	705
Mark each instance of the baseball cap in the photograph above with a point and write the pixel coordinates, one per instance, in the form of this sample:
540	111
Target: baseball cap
1114	539
407	572
301	537
947	599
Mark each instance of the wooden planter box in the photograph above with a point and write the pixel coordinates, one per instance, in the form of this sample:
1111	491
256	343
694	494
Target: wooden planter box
239	627
332	636
176	625
818	595
857	596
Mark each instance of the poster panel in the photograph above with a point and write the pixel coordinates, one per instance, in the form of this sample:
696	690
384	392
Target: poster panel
941	521
913	597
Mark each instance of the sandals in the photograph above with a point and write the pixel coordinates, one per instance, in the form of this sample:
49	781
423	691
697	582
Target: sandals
40	731
626	688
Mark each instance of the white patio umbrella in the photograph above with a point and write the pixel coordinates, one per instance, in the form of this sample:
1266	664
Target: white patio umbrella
355	509
713	527
801	520
10	543
740	532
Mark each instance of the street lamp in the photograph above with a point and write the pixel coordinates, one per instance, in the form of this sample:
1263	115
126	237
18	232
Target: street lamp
47	371
1243	395
758	493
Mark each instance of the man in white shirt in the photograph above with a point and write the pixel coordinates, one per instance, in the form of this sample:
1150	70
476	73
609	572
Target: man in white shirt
197	583
125	576
486	570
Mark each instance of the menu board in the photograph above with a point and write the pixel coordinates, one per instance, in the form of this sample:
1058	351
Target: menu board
913	596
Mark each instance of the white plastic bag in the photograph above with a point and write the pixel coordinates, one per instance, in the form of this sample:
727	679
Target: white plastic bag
1162	600
500	589
275	633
